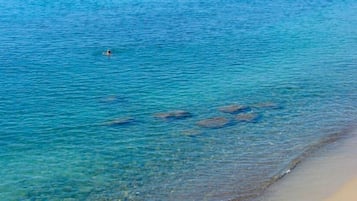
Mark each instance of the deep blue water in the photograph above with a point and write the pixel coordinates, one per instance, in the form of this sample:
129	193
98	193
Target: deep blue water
58	92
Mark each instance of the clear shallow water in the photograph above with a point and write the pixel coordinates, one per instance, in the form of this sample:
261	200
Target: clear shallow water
58	91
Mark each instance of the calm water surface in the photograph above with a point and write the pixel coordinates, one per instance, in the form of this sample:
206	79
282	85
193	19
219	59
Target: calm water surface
58	93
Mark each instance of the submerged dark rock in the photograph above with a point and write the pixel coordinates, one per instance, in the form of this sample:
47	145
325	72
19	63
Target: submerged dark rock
233	109
216	122
172	115
120	121
248	117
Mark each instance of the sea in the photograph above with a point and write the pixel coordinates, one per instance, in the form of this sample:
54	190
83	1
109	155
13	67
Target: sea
147	123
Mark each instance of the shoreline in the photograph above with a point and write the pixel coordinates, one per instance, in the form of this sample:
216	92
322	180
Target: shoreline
327	172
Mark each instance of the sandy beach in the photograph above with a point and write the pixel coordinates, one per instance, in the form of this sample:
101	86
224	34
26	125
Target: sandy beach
346	193
328	175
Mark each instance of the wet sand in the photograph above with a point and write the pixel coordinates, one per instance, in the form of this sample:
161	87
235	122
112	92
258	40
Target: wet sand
328	175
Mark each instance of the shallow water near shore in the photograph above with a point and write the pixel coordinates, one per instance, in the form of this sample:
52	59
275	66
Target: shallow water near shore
76	124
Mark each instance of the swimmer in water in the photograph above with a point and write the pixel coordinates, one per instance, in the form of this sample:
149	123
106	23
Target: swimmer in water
108	52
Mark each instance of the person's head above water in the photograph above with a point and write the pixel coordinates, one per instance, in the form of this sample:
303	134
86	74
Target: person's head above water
108	52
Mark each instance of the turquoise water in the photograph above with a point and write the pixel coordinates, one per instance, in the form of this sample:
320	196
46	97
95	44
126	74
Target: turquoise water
58	92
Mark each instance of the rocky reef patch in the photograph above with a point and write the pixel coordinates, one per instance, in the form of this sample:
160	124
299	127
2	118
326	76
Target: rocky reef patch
173	115
214	123
233	109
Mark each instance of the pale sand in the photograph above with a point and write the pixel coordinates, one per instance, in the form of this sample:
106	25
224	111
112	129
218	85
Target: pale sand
347	193
325	176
